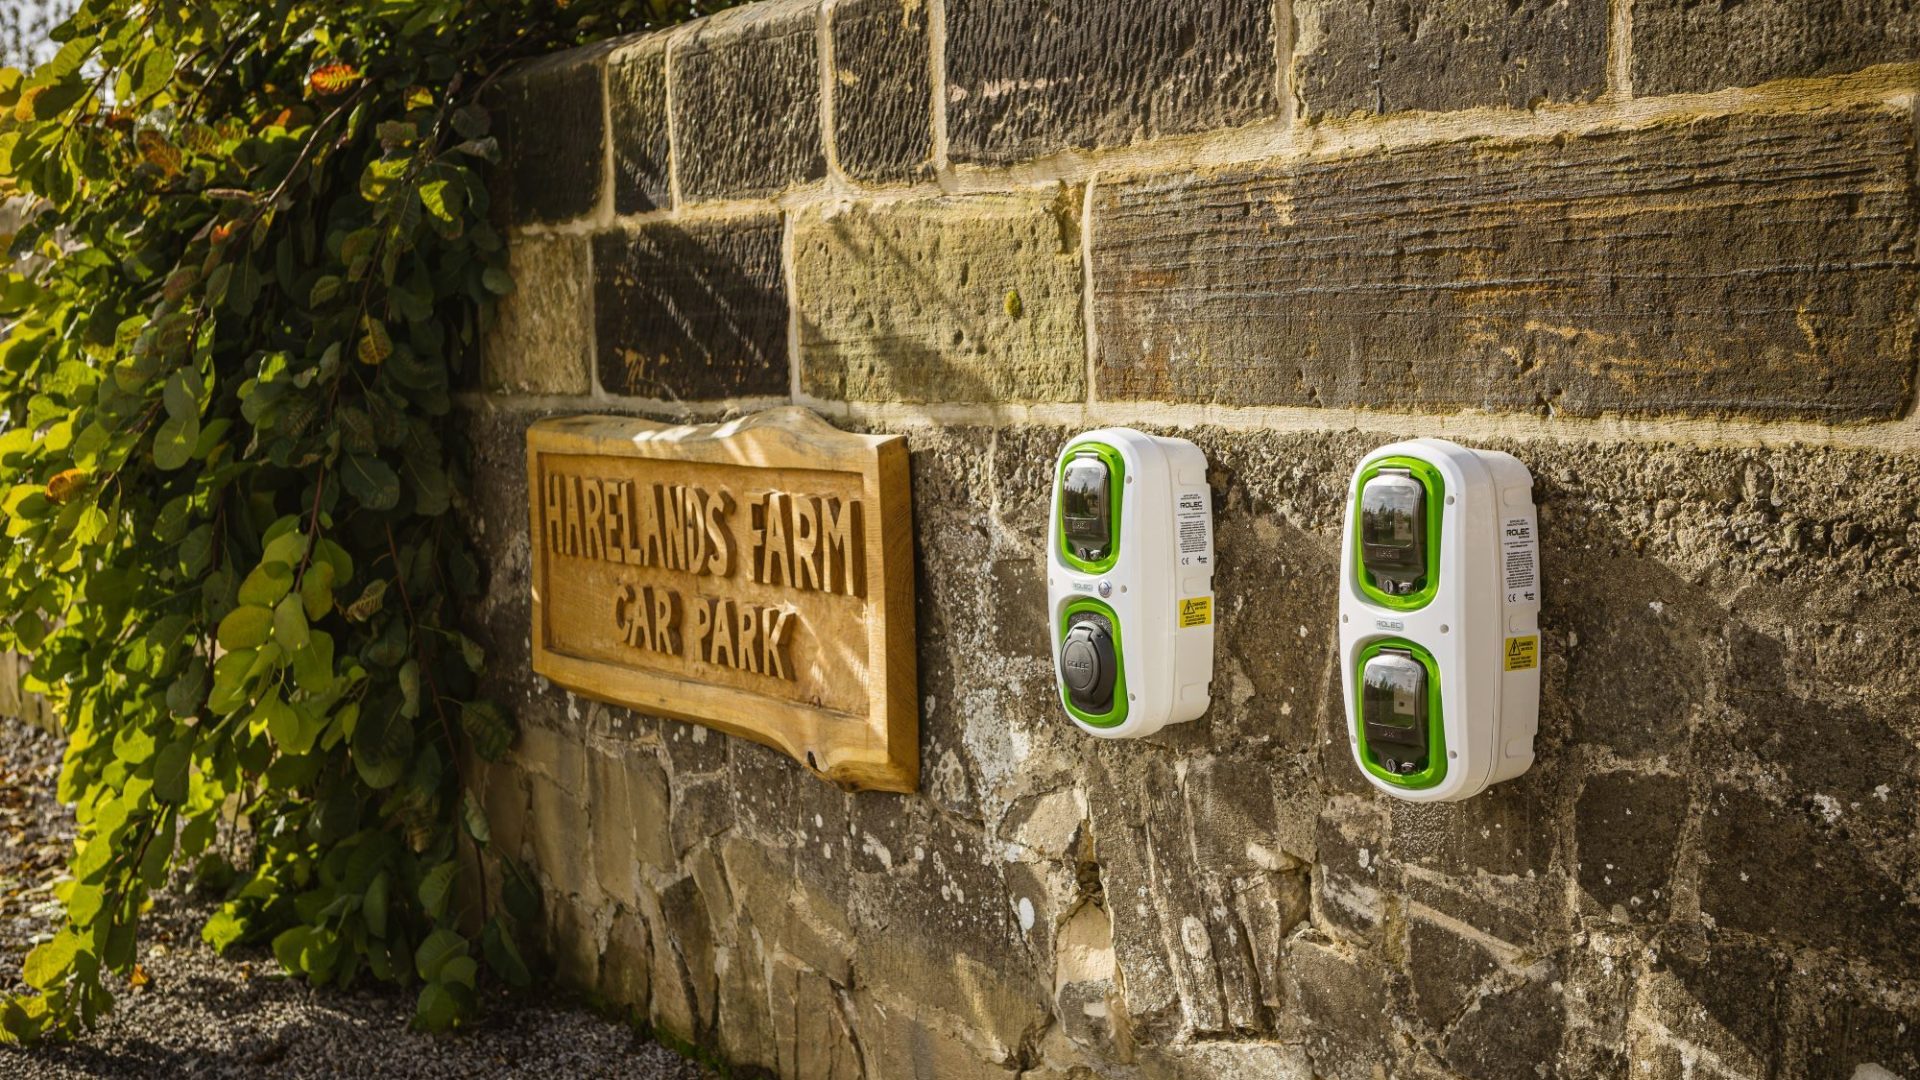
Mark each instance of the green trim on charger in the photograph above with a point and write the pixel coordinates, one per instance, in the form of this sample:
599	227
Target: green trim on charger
1436	769
1436	498
1116	495
1117	715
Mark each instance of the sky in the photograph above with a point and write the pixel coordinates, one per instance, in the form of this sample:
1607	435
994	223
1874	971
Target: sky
23	30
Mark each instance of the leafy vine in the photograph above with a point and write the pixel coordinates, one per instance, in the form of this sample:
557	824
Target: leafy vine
259	259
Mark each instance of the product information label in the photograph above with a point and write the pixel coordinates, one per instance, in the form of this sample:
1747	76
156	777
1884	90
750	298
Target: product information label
1520	558
1194	527
1523	653
1196	611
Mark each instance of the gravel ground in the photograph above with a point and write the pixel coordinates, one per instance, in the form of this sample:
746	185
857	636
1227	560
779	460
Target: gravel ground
210	1017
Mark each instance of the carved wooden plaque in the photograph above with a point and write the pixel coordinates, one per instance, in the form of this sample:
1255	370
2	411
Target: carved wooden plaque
754	576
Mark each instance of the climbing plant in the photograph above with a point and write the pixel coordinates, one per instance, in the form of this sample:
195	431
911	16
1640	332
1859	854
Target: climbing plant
229	471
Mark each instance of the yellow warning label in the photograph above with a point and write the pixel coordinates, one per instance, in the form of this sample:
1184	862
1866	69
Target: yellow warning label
1196	611
1523	652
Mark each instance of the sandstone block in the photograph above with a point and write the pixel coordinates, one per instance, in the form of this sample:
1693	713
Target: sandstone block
811	1036
637	108
883	90
1352	879
552	133
1678	46
558	826
1446	969
974	300
506	802
746	109
1027	78
1627	827
1442	55
572	943
626	794
902	1040
692	312
1341	1002
1731	1002
1498	832
626	967
1840	1027
1776	871
541	341
1512	1035
1673	269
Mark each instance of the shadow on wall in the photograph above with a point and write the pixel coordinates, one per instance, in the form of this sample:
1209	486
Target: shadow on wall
709	302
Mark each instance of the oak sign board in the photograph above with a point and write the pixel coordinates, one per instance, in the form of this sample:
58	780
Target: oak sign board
754	576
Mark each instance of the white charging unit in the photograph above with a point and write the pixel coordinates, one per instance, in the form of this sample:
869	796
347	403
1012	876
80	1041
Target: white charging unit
1439	619
1130	582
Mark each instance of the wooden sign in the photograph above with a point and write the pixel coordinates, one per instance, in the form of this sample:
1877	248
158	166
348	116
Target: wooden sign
754	576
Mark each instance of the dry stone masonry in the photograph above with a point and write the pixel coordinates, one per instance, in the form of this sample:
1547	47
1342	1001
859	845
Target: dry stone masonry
1664	252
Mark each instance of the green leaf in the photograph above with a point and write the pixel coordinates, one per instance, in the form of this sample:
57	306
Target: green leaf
375	344
335	556
230	682
460	971
281	723
84	903
371	481
59	97
290	624
433	196
382	747
433	954
196	551
223	930
173	444
182	395
474	818
438	1008
436	889
245	627
503	956
316	590
155	69
134	745
290	946
188	692
374	908
313	665
489	728
266	584
409	679
324	290
497	280
48	964
170	768
286	544
153	868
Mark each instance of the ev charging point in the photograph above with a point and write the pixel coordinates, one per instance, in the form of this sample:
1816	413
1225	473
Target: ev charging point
1439	619
1130	582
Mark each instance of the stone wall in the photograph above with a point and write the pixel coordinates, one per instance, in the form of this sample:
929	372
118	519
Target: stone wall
1663	251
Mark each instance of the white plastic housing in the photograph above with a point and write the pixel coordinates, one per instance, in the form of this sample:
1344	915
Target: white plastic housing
1487	602
1164	567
